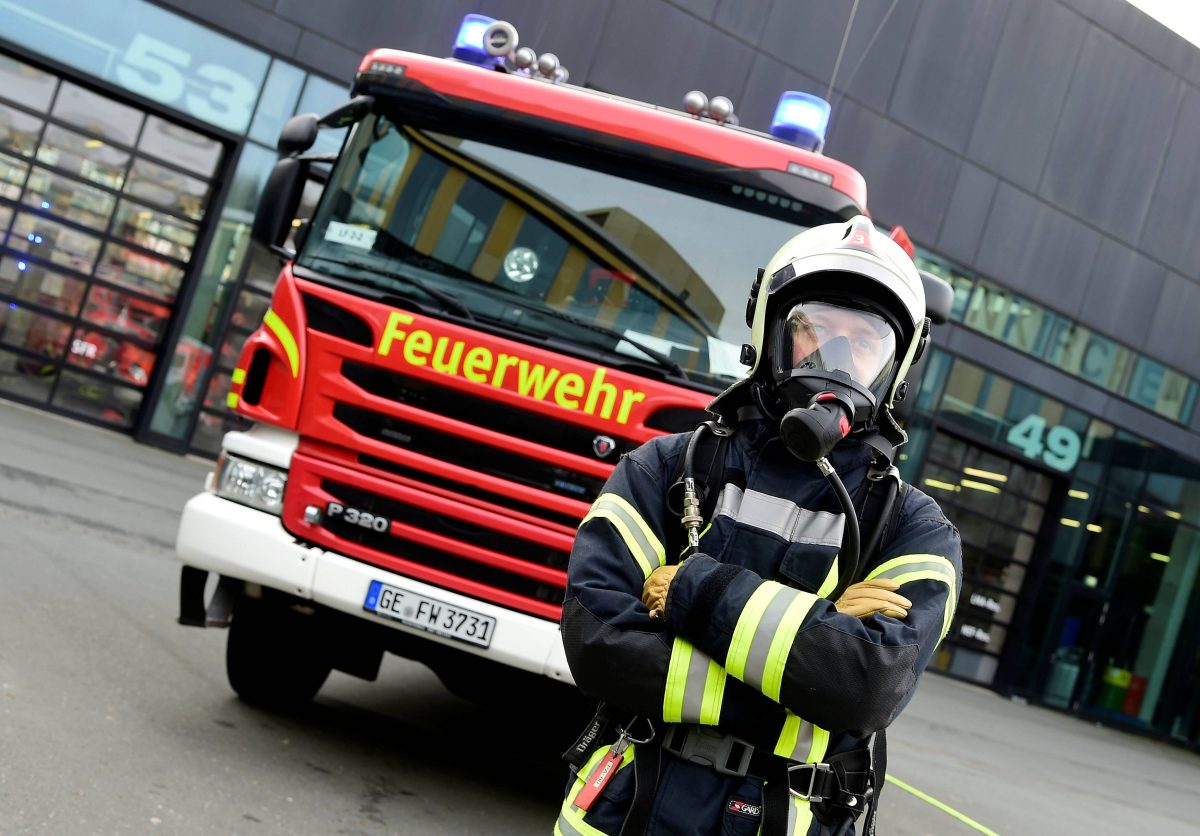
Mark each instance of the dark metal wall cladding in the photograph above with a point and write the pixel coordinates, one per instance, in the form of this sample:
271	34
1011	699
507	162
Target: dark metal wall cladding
965	118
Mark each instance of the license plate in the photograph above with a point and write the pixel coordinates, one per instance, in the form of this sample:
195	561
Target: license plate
429	614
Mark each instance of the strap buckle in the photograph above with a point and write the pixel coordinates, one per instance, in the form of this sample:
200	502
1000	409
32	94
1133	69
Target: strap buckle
811	792
724	753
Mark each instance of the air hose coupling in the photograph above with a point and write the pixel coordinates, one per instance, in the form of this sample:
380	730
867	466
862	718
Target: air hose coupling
691	518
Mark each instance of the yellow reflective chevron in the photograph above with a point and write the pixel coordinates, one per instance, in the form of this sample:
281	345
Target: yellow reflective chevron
284	334
922	567
639	538
764	634
695	686
239	375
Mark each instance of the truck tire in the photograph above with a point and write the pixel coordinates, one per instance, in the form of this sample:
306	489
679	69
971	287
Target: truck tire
275	657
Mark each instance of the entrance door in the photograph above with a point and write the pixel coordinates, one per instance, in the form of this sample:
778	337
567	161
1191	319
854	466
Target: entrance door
100	210
999	506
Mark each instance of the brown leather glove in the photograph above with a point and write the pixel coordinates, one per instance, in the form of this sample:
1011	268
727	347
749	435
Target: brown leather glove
654	592
866	598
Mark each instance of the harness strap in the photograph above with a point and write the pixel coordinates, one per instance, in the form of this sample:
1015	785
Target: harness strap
645	788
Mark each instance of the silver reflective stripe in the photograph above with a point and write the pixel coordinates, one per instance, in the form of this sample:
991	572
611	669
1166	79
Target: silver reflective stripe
760	645
693	690
566	828
781	516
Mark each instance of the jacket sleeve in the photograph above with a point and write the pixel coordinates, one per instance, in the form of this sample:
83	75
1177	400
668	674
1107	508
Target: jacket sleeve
616	653
835	670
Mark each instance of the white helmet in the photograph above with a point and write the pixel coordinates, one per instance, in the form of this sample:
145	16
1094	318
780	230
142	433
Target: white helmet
829	282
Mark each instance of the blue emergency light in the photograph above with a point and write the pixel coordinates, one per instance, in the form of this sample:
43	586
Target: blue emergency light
468	46
801	119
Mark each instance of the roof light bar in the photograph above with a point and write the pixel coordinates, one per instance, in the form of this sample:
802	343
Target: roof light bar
801	119
468	46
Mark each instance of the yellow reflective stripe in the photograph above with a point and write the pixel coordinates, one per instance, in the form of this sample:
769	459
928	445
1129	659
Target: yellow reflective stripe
922	567
630	541
747	626
681	659
831	580
888	567
239	375
639	539
695	687
799	816
570	818
801	741
284	335
714	694
231	400
820	745
647	532
781	644
789	738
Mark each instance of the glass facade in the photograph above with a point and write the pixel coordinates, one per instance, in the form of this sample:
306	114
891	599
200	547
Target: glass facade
101	206
1068	346
1081	547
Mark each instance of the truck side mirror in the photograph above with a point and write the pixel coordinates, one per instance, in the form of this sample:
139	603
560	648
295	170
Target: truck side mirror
278	203
348	113
298	134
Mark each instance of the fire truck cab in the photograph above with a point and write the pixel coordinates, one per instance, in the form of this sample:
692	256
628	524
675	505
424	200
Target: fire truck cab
509	282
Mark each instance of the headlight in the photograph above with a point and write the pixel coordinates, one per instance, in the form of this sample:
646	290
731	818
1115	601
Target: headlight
251	483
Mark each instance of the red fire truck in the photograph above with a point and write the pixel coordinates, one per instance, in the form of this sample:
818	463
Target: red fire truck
509	282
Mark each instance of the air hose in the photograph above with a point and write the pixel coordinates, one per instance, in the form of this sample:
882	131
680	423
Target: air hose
849	553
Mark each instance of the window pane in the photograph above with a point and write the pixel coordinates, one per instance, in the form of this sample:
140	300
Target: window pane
97	114
5	216
31	282
321	96
36	332
60	244
167	188
101	352
180	146
26	377
108	402
18	130
12	176
277	103
69	199
121	265
126	313
155	231
25	84
88	158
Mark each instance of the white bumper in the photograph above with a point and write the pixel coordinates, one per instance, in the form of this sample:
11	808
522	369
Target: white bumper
231	539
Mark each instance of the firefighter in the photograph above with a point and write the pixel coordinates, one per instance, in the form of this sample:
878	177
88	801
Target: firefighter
745	673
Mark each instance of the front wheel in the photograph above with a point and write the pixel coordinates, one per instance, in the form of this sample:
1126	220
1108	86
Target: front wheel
275	657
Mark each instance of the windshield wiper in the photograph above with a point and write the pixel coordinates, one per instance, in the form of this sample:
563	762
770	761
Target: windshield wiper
447	301
661	359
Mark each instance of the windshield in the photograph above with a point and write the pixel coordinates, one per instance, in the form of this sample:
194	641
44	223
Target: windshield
647	265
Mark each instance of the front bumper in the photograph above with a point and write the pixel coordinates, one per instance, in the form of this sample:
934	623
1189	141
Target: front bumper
239	542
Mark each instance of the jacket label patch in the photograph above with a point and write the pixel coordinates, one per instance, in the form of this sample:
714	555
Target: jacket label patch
744	808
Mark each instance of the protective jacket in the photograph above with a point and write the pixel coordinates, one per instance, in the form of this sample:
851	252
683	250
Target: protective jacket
750	644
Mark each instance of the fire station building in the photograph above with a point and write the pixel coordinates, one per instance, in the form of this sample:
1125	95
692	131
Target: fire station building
1042	155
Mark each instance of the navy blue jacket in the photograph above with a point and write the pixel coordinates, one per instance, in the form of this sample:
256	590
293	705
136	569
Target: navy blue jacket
750	643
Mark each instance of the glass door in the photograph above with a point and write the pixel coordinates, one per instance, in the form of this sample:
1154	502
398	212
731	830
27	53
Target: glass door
999	506
101	206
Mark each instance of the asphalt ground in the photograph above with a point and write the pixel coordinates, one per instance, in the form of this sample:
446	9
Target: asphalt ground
113	719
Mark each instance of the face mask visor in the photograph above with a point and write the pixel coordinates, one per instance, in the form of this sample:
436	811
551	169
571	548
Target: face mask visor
823	337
